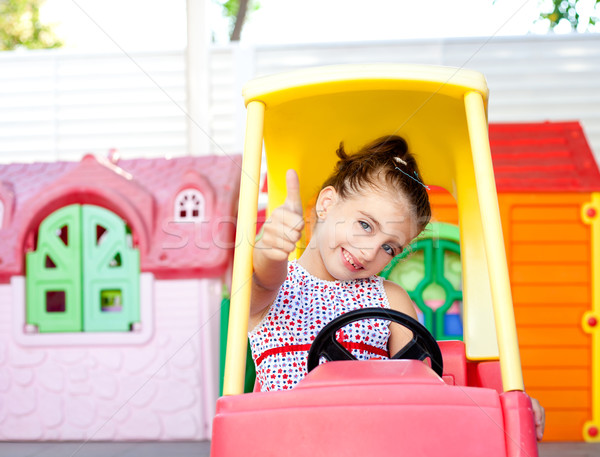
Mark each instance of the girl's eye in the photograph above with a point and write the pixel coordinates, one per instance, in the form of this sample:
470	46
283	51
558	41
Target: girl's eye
365	226
388	249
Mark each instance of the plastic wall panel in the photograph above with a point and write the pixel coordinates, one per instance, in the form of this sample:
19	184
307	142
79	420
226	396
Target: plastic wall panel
548	249
162	389
549	255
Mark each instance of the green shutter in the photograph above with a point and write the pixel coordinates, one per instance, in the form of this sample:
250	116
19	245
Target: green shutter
110	273
83	275
53	274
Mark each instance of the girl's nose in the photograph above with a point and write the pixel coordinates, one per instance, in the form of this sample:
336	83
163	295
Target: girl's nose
368	252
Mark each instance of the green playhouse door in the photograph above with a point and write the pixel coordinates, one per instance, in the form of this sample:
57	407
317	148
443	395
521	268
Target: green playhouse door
430	271
94	286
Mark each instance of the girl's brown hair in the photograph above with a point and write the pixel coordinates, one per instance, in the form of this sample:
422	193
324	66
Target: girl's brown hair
385	158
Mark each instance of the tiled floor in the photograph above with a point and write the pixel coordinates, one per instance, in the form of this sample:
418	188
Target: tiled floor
202	449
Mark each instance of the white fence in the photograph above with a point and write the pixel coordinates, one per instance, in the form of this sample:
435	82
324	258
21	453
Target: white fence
56	105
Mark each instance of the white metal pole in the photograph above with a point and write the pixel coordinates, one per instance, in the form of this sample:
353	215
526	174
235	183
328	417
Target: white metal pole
197	74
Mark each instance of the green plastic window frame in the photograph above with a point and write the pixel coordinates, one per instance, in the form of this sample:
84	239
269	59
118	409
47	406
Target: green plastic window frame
82	270
447	238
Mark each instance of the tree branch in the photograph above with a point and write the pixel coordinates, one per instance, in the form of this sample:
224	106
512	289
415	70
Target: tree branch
239	21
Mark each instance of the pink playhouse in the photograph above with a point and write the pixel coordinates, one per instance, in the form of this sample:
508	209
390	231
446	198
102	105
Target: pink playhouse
111	278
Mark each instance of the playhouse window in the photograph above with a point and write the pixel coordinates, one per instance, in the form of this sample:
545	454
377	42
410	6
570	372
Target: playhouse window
189	206
84	274
431	273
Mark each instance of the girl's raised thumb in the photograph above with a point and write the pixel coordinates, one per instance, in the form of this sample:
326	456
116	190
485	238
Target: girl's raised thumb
292	200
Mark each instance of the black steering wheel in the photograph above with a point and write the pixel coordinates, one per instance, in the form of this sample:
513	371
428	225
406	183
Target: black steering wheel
423	345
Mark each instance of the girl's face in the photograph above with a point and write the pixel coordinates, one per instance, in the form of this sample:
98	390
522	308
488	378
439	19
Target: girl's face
358	236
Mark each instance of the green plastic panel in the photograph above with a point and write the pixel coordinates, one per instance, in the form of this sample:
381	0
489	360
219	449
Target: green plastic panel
83	276
250	375
451	294
53	274
111	270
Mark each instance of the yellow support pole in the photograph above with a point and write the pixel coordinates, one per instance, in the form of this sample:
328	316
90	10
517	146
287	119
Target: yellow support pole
241	285
590	214
510	360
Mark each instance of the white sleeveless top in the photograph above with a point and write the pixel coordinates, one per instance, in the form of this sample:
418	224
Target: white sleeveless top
304	305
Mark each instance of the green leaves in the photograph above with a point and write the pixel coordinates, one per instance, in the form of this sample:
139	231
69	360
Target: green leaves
571	12
20	26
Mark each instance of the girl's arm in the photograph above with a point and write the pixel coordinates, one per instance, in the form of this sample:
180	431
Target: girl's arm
399	301
279	236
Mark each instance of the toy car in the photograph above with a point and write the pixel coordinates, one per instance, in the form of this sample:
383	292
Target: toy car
469	399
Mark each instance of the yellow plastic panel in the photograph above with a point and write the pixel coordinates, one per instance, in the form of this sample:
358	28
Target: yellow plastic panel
590	321
478	317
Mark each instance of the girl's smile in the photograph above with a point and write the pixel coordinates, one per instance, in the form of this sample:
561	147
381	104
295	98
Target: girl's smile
351	263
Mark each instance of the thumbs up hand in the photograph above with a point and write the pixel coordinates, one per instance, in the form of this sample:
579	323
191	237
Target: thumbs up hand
292	200
283	229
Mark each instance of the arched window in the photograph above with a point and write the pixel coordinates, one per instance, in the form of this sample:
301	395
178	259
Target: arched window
430	271
84	275
189	206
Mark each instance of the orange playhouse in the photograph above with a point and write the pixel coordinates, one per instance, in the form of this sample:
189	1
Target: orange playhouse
548	187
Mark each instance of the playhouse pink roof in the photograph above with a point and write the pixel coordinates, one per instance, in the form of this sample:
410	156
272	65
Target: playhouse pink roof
141	191
543	157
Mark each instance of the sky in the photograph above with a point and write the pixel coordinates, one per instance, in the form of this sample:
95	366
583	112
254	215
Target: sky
138	25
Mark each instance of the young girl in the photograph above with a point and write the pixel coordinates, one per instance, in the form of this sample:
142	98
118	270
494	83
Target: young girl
368	211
